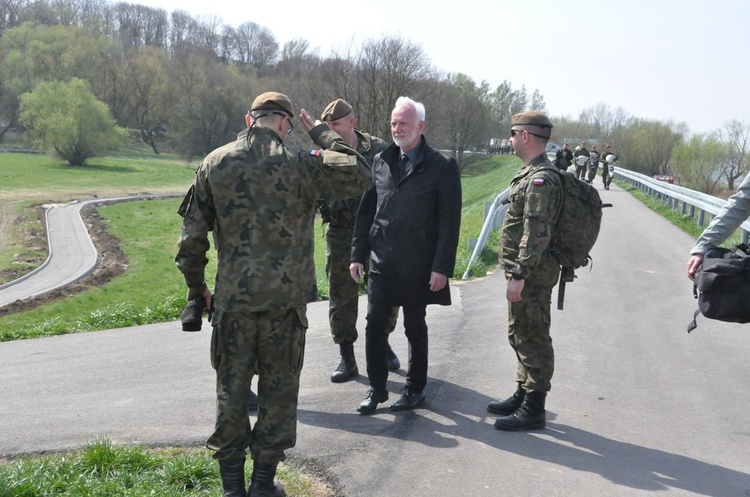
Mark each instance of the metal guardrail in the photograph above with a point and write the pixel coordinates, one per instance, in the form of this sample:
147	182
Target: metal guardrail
688	202
497	208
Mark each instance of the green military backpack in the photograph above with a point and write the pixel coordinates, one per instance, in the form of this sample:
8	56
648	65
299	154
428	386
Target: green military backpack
577	228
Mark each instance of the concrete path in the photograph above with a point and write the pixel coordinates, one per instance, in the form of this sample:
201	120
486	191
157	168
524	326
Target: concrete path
638	406
72	255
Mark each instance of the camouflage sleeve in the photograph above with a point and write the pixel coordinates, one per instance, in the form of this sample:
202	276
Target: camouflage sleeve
339	172
543	202
198	215
377	145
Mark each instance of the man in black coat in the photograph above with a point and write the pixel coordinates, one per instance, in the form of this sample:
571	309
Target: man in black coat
563	158
408	226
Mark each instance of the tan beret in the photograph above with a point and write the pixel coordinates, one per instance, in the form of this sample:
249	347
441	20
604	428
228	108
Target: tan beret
532	118
336	110
273	102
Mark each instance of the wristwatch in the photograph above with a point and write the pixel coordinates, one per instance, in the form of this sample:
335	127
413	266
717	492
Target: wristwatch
516	276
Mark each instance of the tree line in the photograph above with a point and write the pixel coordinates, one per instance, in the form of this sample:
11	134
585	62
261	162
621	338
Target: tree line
194	78
707	162
183	84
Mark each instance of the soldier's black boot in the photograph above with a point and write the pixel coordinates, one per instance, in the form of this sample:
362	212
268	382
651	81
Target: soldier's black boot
233	478
347	368
262	483
509	405
530	416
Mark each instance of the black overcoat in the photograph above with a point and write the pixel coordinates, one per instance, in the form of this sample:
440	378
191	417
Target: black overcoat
409	228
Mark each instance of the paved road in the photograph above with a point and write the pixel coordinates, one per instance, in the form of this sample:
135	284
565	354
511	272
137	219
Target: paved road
72	255
638	406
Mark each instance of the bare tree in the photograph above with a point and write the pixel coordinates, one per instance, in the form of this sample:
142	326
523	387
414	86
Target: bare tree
467	114
736	134
504	102
182	32
255	45
387	68
11	12
204	114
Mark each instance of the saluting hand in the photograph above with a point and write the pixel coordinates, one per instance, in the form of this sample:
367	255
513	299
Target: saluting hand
307	122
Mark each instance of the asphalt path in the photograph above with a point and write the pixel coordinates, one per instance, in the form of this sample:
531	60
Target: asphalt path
638	405
71	253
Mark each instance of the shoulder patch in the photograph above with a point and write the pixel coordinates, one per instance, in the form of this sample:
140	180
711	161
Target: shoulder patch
538	181
317	152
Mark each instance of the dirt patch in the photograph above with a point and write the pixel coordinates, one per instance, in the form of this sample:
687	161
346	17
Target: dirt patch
112	262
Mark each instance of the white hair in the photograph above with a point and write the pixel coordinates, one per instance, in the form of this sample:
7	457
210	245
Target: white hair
408	102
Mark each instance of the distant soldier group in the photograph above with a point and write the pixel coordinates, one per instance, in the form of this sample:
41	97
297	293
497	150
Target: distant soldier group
500	146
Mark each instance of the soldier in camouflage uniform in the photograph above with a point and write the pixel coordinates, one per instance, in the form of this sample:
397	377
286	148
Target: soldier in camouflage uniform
258	197
339	215
535	204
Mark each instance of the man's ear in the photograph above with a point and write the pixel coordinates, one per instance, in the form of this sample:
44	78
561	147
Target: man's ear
248	120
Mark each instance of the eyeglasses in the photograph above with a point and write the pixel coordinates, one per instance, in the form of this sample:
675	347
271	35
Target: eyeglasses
513	133
291	126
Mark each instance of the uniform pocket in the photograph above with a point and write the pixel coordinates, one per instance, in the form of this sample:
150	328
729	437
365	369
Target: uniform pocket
298	339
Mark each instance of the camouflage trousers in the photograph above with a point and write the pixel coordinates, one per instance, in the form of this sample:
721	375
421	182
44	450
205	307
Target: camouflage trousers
275	341
343	291
591	174
528	334
606	178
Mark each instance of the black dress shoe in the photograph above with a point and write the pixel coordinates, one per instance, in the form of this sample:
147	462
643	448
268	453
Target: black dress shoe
409	401
374	397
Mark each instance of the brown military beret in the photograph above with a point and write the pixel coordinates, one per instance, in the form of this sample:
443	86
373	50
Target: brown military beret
273	101
336	110
532	118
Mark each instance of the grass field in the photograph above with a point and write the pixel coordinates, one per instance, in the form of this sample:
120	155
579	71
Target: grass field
152	290
104	469
30	176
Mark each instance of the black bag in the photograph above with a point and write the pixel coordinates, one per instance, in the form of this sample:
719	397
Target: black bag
722	286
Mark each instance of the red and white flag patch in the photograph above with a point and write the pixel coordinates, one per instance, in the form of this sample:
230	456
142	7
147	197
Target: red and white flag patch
538	182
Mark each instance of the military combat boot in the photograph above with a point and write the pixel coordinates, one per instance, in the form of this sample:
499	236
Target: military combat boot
262	483
509	405
530	416
233	478
347	368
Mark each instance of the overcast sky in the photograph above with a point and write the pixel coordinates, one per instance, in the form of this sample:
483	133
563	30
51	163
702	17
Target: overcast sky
681	60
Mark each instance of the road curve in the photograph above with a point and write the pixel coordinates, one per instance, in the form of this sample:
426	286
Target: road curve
72	255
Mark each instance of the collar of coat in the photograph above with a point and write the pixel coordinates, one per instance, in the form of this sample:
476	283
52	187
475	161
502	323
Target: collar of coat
391	154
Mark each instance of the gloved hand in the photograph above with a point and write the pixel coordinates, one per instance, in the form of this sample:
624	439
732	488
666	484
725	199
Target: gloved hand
192	315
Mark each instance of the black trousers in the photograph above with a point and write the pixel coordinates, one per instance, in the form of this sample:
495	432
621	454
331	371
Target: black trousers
376	338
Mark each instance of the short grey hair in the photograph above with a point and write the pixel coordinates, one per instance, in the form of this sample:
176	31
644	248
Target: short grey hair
408	102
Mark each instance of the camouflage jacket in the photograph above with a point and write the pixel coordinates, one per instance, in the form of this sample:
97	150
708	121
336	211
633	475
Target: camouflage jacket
534	205
259	199
342	213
